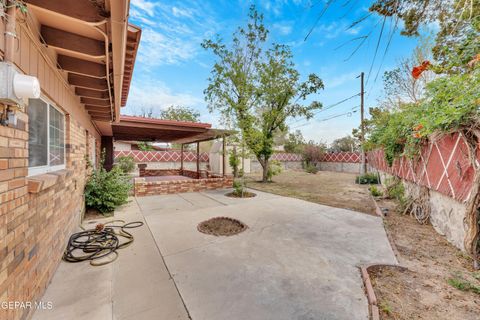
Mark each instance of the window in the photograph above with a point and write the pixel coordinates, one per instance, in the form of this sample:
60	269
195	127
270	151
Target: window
46	142
93	152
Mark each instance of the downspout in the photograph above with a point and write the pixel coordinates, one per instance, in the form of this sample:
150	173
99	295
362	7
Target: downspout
10	32
119	27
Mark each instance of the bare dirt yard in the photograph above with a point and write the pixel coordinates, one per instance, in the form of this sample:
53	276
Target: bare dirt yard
334	189
439	282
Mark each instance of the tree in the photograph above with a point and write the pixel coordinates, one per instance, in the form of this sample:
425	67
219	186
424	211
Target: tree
312	153
399	87
295	142
345	144
258	88
180	113
458	39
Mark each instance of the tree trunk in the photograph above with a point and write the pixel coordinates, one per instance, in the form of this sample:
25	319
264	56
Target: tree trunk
265	171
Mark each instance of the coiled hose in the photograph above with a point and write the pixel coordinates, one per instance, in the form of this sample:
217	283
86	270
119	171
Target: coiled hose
99	243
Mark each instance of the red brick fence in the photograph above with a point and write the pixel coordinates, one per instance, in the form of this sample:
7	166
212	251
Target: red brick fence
150	181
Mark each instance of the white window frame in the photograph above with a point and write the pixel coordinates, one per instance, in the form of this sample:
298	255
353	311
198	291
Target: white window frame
93	151
32	171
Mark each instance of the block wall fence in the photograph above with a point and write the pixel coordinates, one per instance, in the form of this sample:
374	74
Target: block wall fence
444	166
339	161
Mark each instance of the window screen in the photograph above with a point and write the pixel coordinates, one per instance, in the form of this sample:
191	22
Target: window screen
38	134
57	137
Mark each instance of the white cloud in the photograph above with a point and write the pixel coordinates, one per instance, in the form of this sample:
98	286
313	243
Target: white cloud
177	12
145	6
156	95
284	28
157	48
174	34
336	29
341	79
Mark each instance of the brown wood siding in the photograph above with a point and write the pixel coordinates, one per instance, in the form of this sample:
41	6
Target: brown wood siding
30	60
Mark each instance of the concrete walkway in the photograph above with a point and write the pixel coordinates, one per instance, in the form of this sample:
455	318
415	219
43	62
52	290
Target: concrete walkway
136	286
297	260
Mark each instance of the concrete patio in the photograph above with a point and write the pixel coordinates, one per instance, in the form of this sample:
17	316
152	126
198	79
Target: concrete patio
297	260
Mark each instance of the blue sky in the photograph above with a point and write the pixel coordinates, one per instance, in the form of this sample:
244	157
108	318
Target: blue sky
172	68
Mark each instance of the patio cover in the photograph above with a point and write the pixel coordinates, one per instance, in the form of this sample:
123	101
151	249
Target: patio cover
157	130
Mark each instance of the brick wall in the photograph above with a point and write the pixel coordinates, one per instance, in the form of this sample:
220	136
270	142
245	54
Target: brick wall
148	188
37	214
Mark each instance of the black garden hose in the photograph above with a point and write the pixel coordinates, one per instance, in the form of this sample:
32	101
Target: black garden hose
99	243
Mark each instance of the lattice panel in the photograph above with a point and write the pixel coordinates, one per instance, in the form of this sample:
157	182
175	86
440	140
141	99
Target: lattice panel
349	157
282	156
161	156
444	166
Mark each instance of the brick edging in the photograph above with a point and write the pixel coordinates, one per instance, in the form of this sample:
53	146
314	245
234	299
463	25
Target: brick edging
373	310
378	211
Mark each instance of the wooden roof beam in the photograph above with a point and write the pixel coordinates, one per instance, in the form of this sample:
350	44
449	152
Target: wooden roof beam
87	82
82	67
72	42
95	102
87	93
84	10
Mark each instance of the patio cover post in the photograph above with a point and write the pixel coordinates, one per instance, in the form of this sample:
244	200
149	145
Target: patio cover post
181	157
224	151
198	159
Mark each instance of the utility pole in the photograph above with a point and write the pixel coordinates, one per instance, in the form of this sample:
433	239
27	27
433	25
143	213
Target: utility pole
362	124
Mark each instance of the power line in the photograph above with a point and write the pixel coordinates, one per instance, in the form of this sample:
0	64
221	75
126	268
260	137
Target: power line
329	107
348	114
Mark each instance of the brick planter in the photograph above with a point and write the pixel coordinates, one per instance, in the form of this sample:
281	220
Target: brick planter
143	187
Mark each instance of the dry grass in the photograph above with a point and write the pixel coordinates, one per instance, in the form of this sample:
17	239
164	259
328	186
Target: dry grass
334	189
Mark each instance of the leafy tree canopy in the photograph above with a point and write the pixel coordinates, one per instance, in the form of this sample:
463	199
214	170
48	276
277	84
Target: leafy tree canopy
458	39
180	113
345	144
256	86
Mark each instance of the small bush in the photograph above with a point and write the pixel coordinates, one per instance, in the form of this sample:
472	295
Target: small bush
312	153
396	190
106	190
311	168
374	191
274	168
126	164
368	178
145	146
238	188
234	161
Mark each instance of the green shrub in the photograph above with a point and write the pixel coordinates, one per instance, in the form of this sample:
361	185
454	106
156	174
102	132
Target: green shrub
374	191
234	161
145	146
126	164
311	168
238	188
274	168
396	190
106	190
367	178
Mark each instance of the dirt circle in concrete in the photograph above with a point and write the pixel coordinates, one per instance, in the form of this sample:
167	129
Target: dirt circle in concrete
222	226
244	194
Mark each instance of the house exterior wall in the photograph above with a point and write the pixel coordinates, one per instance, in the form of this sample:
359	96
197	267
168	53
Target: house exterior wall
38	213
